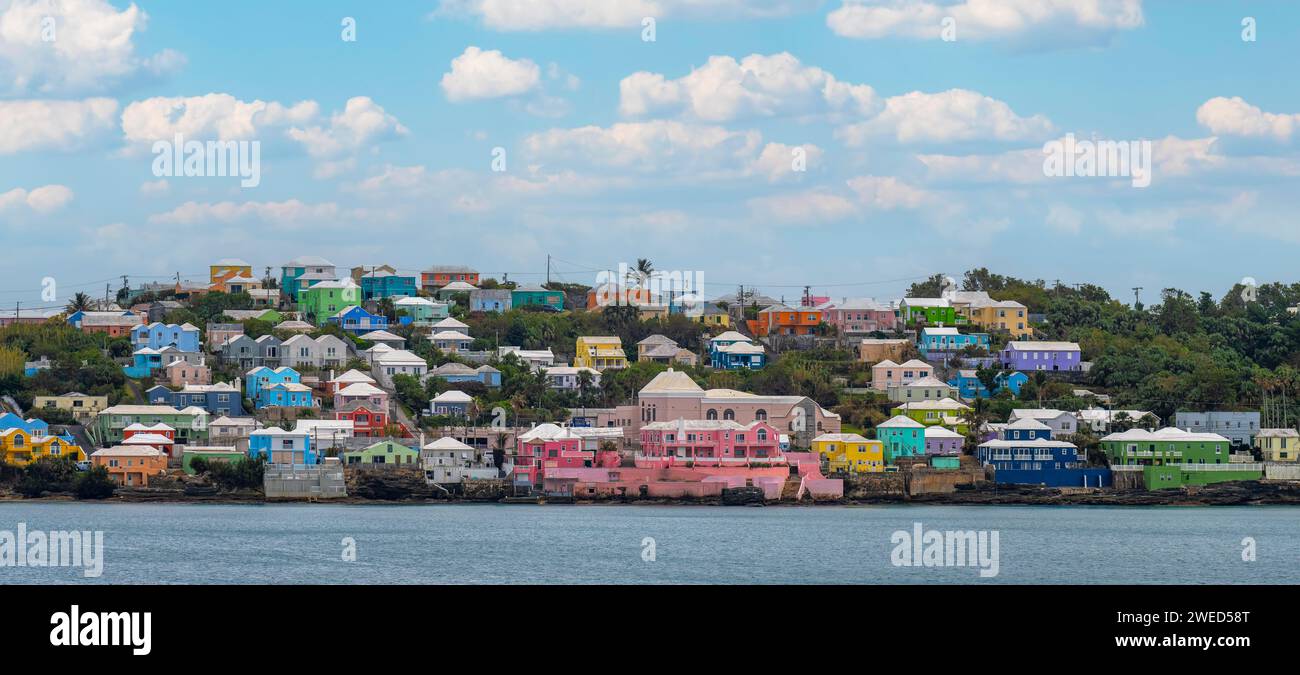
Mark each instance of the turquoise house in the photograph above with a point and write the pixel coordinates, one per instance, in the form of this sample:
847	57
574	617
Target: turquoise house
532	294
384	284
902	436
946	339
262	377
284	395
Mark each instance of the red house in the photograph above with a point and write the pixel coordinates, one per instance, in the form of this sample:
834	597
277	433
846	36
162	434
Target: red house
549	446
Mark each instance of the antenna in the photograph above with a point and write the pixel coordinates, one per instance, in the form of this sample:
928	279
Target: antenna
1137	297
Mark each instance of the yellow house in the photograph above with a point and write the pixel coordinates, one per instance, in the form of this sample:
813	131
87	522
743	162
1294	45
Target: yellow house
850	453
1002	315
1278	445
599	352
225	269
82	407
712	315
20	448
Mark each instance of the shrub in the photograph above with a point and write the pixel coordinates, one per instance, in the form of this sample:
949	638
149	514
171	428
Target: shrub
95	484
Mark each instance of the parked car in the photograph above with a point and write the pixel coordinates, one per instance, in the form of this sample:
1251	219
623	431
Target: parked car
84	465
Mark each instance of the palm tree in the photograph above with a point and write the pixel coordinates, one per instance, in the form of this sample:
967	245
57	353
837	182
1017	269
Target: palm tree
644	268
974	418
1040	380
80	302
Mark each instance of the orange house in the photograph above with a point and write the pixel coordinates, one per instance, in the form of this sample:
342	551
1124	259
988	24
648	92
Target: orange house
782	320
440	275
131	465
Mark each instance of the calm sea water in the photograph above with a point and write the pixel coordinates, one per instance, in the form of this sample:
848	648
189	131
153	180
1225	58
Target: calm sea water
493	544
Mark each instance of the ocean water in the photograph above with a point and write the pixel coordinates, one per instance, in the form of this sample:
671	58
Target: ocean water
505	544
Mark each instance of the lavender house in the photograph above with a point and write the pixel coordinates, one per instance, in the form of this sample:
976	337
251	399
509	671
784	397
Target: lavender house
941	441
1035	355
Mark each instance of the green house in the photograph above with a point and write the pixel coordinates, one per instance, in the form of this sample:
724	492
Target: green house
191	424
930	312
1166	446
533	294
902	437
383	452
327	298
945	411
1176	476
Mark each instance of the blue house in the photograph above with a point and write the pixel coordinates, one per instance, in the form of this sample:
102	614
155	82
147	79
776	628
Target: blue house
968	385
32	426
147	360
385	284
1040	462
1026	429
262	377
278	446
356	320
284	395
219	399
948	339
733	351
459	372
157	335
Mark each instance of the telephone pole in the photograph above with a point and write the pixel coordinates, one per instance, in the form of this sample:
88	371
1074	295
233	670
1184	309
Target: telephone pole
1137	297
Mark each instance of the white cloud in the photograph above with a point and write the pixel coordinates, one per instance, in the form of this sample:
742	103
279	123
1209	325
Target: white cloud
657	146
155	187
42	200
887	193
291	212
1043	21
757	86
532	15
478	74
808	206
361	123
211	116
778	160
53	125
91	49
1235	117
945	117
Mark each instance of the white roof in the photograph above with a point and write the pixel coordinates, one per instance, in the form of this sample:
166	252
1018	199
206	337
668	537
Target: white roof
915	363
941	404
381	335
459	286
901	421
928	381
1043	346
446	443
450	322
1027	423
147	439
453	396
415	300
843	438
700	425
941	432
354	375
1166	434
731	335
671	382
360	389
940	330
547	431
742	348
885	364
1033	443
400	356
129	451
1278	433
450	335
143	427
152	410
1036	413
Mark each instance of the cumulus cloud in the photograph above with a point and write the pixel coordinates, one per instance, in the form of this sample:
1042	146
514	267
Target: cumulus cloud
887	193
85	46
53	125
778	160
478	74
809	207
656	146
945	117
42	200
758	85
211	116
290	213
1235	117
533	15
1040	21
360	123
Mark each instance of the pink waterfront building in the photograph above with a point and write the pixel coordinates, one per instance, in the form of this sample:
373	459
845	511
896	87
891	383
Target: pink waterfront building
858	316
550	446
709	443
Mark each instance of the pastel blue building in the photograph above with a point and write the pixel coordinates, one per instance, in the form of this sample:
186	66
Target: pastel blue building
284	395
946	339
278	446
969	386
1040	462
147	361
458	372
734	351
262	377
356	320
220	399
157	335
384	284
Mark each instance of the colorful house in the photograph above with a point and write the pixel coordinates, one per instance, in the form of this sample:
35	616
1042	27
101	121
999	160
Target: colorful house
421	312
850	453
924	389
147	361
209	454
1040	461
536	296
490	300
454	372
131	465
943	441
191	423
225	269
356	320
1004	316
857	316
220	399
785	320
278	446
928	312
384	284
1239	427
663	349
969	386
393	362
451	341
945	412
1026	429
709	443
184	337
947	340
901	436
1042	355
732	351
452	403
438	276
1170	445
599	352
112	324
302	272
548	446
713	315
325	299
262	377
1278	445
1062	422
81	406
383	452
20	447
284	395
888	374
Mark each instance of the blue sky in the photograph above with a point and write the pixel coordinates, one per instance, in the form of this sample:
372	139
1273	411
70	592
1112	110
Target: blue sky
921	155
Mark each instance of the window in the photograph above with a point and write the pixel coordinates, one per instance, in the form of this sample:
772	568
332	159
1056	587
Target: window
760	414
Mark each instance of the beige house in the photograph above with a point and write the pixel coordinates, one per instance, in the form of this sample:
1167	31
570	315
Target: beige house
873	350
81	406
1278	445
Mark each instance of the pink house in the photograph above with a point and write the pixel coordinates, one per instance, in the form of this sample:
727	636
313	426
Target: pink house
858	315
361	393
709	443
888	374
549	446
177	374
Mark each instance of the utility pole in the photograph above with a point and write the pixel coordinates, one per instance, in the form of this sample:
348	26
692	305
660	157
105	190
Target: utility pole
1137	297
548	269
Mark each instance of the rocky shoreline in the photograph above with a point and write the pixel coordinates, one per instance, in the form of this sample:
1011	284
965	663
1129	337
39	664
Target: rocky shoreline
1241	493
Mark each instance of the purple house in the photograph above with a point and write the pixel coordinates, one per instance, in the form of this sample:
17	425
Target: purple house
942	441
1035	355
